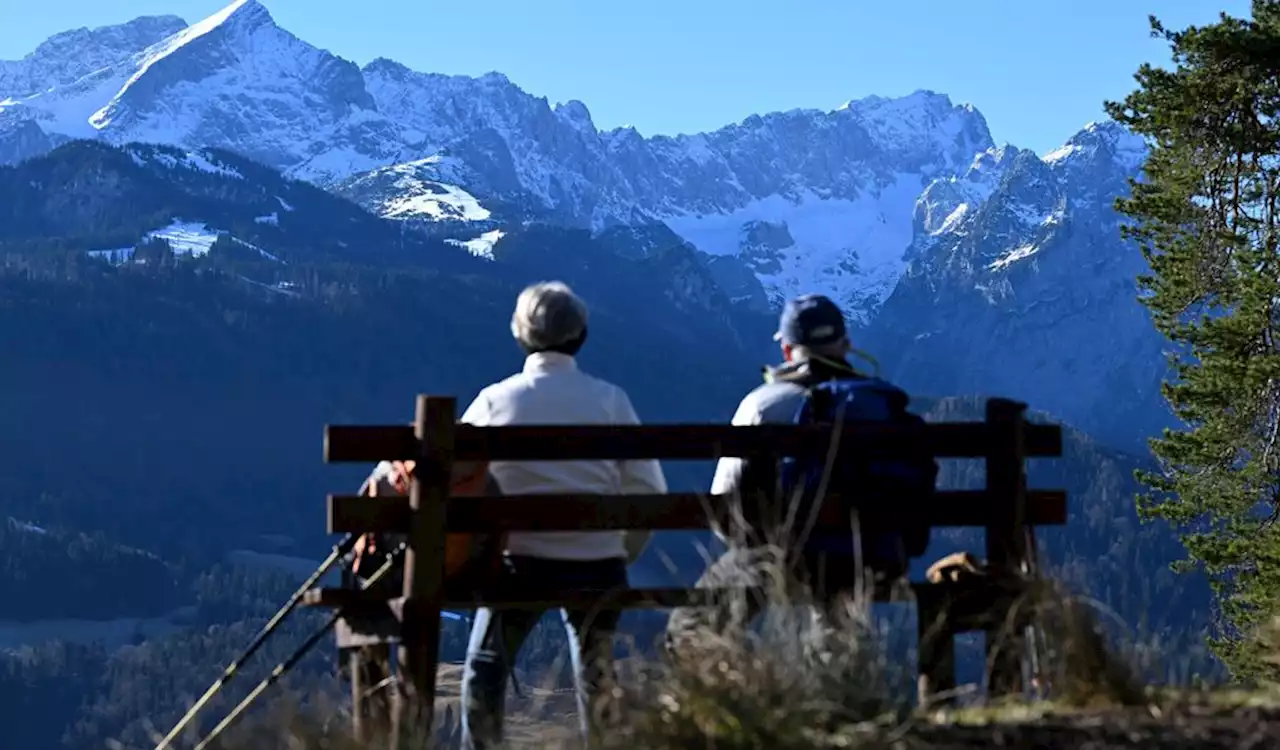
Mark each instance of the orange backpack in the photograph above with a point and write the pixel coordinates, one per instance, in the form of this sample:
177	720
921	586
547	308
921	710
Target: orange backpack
465	553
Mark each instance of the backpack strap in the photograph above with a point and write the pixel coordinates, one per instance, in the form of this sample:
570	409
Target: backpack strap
818	402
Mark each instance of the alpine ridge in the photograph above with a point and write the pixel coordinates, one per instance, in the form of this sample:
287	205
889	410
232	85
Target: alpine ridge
903	209
798	199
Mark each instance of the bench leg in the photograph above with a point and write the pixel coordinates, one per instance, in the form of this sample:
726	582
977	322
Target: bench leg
1005	649
355	664
936	652
414	710
371	705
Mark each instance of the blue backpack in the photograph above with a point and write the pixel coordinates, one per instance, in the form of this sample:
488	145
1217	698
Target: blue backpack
857	401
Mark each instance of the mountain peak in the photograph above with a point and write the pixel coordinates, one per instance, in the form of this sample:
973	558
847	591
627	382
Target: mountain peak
494	78
916	100
576	113
244	13
387	67
70	55
1108	139
148	28
924	120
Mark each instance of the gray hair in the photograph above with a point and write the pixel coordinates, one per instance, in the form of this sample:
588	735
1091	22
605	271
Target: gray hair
548	314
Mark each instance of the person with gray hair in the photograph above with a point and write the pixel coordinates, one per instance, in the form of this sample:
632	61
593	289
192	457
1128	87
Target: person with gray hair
550	325
549	317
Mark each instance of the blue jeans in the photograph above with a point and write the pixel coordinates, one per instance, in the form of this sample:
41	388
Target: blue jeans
497	635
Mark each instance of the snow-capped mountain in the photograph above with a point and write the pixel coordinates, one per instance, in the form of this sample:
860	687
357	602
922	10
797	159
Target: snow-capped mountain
65	58
804	199
61	60
233	80
987	255
1018	284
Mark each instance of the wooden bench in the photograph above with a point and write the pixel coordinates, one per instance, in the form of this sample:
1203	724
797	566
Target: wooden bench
1005	509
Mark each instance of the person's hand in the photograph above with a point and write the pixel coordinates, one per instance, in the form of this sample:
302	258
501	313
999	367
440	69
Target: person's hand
401	475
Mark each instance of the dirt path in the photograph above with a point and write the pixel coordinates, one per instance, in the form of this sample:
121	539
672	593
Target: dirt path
1186	728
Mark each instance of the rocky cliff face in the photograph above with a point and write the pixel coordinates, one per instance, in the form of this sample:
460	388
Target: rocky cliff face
64	58
1018	284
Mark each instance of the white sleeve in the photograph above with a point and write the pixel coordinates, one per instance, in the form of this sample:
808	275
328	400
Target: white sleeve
639	477
729	469
477	413
377	478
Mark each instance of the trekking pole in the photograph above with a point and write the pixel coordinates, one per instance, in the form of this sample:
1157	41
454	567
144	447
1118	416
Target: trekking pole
339	550
284	666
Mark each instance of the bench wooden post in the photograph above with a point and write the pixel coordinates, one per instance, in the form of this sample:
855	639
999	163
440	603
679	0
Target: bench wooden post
424	569
370	668
355	668
935	649
1006	541
355	662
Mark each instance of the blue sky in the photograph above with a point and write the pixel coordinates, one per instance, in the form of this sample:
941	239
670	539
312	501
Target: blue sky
1037	69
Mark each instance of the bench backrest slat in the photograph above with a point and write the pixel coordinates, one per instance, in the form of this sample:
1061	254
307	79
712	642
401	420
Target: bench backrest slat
367	444
675	511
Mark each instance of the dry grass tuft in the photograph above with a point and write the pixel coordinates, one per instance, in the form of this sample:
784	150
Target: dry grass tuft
1078	665
801	680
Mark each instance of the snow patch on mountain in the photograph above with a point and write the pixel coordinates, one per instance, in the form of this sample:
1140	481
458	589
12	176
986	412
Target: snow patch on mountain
481	246
202	161
186	238
190	238
333	163
1013	256
66	110
420	189
436	200
850	250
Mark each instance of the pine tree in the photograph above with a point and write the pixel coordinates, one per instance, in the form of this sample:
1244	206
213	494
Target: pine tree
1207	216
